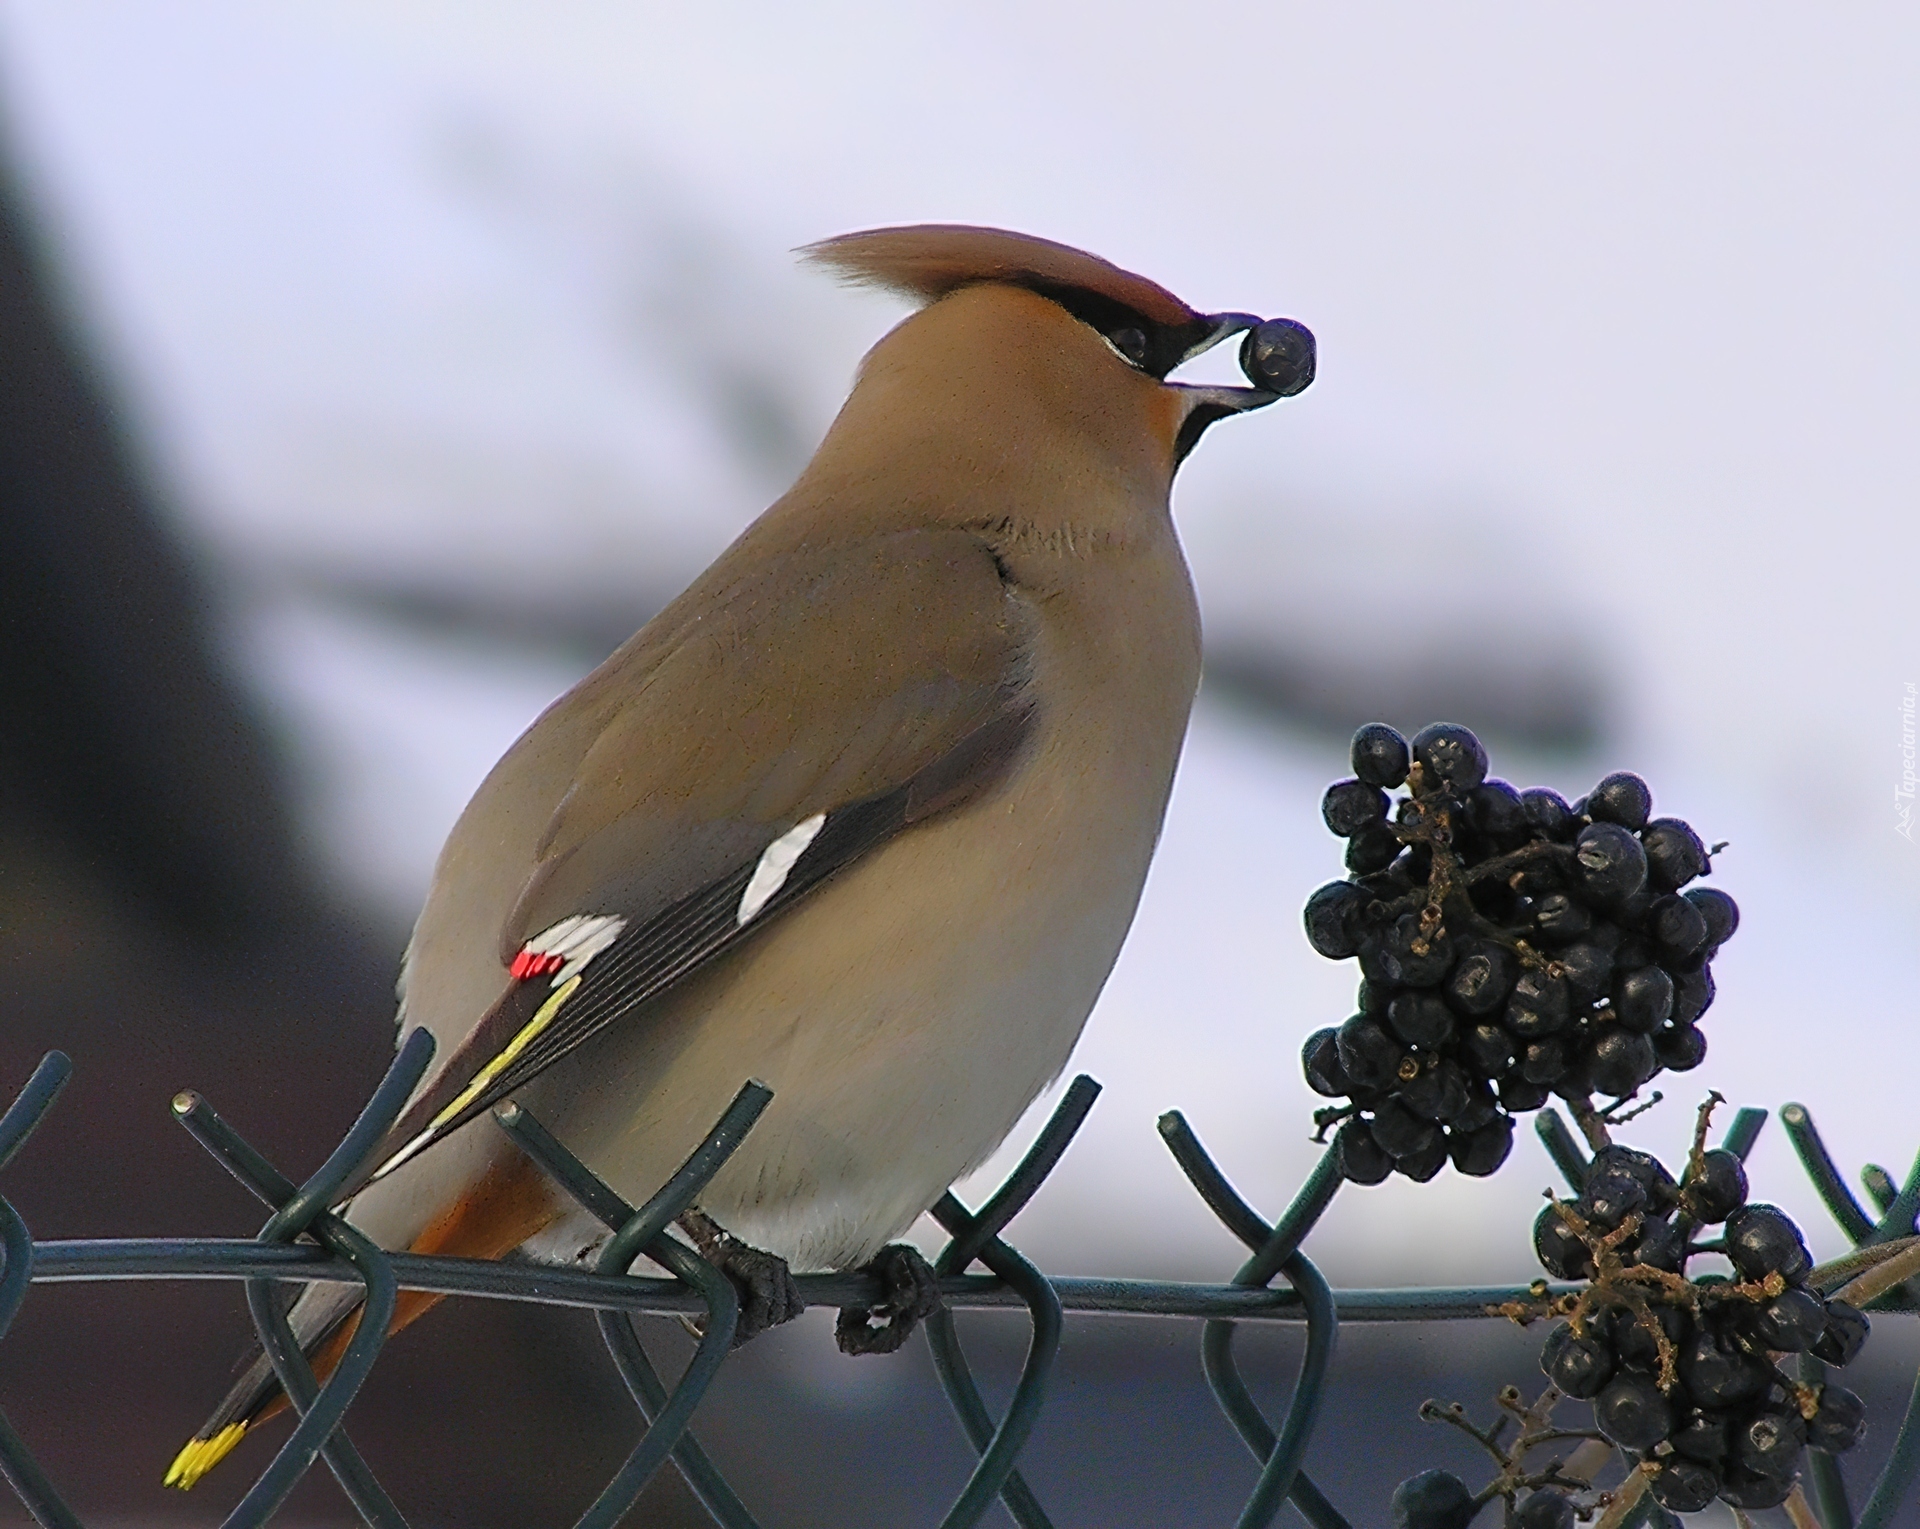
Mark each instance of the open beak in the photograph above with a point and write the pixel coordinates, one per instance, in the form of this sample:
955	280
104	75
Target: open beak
1277	356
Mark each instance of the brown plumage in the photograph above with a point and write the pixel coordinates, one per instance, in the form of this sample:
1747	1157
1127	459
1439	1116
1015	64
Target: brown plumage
864	813
926	261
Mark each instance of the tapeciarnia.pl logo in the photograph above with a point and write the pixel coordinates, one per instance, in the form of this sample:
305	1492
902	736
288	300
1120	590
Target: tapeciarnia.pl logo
1903	792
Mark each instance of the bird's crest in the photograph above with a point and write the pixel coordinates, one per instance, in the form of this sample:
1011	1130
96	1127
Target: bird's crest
929	260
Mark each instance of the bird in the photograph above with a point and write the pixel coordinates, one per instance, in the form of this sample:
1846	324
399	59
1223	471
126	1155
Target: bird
864	814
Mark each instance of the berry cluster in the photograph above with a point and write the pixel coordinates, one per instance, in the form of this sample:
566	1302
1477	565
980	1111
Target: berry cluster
1682	1371
1440	1500
1511	947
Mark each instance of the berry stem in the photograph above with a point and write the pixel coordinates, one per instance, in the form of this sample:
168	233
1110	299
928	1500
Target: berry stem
1591	1125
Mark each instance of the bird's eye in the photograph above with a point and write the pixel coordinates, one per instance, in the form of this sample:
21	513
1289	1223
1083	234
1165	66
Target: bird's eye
1132	345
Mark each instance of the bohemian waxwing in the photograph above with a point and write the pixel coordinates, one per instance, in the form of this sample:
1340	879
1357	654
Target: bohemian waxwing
864	814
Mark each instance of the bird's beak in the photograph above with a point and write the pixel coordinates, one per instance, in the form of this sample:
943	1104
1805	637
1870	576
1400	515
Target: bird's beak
1278	351
1220	326
1206	402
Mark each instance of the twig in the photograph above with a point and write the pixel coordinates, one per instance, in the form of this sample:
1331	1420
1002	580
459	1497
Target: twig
1612	1115
1703	1122
1799	1512
1591	1125
1625	1496
1878	1281
1848	1265
1588	1461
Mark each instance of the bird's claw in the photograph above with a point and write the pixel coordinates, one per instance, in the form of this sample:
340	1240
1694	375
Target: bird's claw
913	1293
767	1290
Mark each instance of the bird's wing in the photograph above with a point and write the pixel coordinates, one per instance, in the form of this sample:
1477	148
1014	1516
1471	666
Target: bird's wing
809	713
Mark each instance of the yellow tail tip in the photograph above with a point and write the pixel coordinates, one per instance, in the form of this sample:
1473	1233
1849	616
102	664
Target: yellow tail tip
201	1456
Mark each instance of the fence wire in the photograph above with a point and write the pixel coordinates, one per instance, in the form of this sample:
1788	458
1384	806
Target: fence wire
303	1241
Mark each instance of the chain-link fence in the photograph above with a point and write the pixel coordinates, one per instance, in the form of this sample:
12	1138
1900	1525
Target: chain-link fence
304	1241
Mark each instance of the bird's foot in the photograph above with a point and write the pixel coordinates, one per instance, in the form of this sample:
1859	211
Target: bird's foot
913	1293
768	1294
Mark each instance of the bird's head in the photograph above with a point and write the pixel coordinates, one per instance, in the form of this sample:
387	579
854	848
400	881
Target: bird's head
1011	320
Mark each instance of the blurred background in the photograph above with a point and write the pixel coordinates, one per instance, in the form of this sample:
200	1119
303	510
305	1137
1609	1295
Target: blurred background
367	372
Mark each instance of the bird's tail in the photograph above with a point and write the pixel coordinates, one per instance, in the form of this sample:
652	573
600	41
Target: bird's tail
509	1204
323	1319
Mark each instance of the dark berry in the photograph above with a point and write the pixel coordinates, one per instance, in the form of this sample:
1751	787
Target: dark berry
1547	813
1635	1343
1481	1109
1704	1436
1612	864
1633	952
1361	1157
1487	1048
1574	1081
1632	909
1559	1248
1277	356
1333	919
1761	1240
1718	1189
1720	911
1792	1322
1619	1061
1769	1443
1580	1365
1432	1500
1350	805
1643	999
1680	1048
1450	756
1839	1421
1374	971
1482	979
1543	1062
1660	1245
1320	1060
1610	1198
1379	756
1373	847
1401	1132
1544	1510
1845	1335
1586	970
1495	813
1536	879
1632	1412
1692	996
1373	999
1538	1005
1621	798
1675	854
1642	1167
1420	1019
1424	1163
1437	1091
1717	1372
1415	957
1519	1093
1684	1486
1368	1055
1479	1152
1677	926
1748	1489
1560	917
